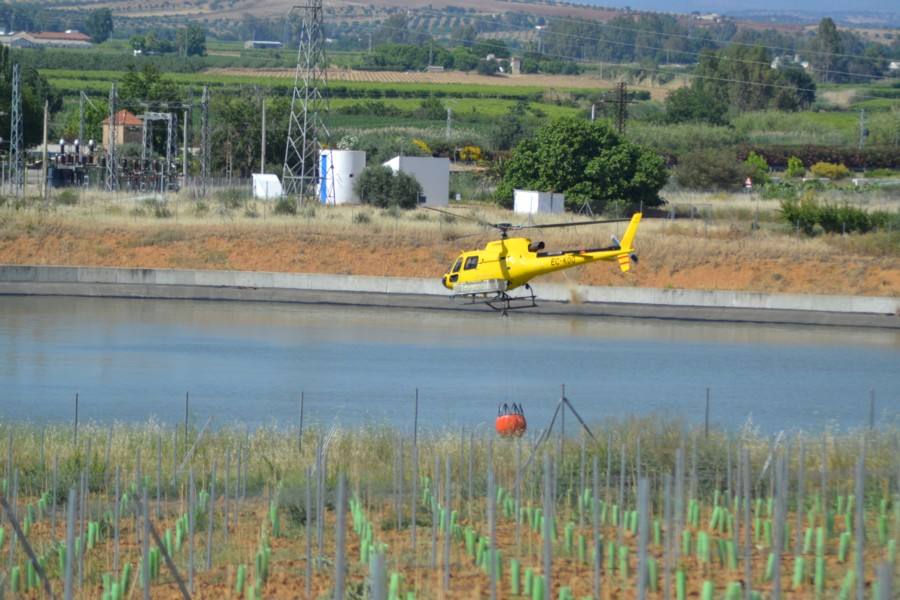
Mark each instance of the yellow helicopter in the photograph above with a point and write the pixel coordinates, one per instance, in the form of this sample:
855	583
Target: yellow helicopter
488	275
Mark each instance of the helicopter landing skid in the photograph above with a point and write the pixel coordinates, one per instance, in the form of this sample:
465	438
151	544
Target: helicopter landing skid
500	301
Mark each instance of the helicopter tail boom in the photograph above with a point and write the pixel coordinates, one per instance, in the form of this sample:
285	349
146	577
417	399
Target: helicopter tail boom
630	232
627	243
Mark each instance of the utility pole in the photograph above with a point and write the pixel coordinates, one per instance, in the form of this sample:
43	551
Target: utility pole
204	142
45	192
621	107
262	145
184	151
863	132
81	118
593	112
449	121
112	170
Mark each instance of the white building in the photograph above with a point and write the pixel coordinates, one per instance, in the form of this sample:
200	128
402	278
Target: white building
433	174
529	202
266	186
43	39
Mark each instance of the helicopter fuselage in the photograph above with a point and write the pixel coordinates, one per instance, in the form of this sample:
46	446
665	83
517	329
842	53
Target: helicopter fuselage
517	260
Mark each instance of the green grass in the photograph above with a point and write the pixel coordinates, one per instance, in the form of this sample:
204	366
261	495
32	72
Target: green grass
66	78
821	128
489	107
877	104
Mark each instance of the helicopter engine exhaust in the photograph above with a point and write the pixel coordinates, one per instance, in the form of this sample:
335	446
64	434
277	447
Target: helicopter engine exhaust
535	246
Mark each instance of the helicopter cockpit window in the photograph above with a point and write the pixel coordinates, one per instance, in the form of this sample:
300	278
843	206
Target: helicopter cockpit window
471	262
457	266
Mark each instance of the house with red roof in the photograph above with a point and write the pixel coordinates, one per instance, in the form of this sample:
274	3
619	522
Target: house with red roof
129	129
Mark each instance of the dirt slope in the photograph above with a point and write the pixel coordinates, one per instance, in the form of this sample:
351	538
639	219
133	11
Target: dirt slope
678	258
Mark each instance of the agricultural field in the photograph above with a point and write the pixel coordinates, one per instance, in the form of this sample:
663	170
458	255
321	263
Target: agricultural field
388	82
640	508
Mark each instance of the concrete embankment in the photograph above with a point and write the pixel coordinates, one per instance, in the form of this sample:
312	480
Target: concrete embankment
400	292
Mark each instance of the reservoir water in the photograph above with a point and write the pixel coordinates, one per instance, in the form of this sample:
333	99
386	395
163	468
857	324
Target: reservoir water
131	360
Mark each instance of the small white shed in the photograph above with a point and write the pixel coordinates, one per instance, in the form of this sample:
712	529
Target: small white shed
529	202
266	186
433	174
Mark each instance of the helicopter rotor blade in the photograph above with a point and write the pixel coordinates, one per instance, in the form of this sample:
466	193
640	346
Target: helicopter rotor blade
572	224
481	222
467	235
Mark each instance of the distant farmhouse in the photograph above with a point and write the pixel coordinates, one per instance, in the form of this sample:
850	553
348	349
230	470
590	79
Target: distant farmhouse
46	39
262	44
129	129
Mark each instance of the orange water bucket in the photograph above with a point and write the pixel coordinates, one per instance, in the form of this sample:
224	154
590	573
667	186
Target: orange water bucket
511	424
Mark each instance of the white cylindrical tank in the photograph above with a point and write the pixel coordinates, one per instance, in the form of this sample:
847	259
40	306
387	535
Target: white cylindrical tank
339	170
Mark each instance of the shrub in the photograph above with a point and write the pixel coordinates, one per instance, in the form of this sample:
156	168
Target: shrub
285	206
392	211
158	208
709	169
869	157
795	167
67	198
810	217
781	190
801	214
380	186
829	170
251	211
362	218
231	197
756	167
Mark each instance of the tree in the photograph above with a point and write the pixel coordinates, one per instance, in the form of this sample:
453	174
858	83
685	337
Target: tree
488	67
464	59
35	89
588	162
431	109
99	25
695	104
380	186
191	41
828	44
710	169
146	85
795	167
757	168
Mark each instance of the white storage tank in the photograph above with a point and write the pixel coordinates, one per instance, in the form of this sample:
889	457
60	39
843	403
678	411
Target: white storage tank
530	202
339	170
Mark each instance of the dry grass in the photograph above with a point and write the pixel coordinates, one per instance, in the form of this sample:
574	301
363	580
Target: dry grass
720	251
